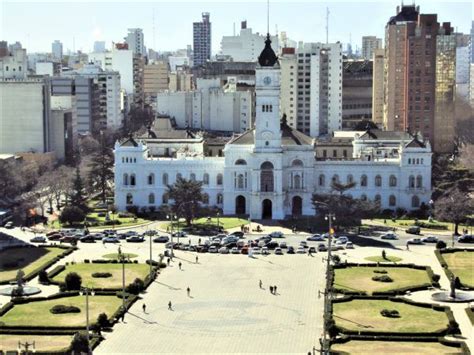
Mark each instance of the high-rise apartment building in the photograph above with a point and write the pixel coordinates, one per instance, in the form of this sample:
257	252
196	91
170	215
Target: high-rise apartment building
412	73
369	45
377	87
202	40
136	41
317	86
289	78
99	46
472	42
57	50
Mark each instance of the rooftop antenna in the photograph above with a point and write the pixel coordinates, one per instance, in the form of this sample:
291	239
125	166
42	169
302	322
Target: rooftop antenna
234	30
268	16
327	25
153	25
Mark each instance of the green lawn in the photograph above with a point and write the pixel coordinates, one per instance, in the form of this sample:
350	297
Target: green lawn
361	347
99	222
115	256
225	222
27	259
365	315
461	264
388	259
42	342
405	223
38	314
360	278
132	271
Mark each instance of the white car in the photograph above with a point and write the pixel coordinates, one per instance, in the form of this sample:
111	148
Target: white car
213	249
416	241
224	250
265	251
235	250
303	244
391	236
255	250
315	238
283	245
300	250
278	251
342	240
277	234
349	245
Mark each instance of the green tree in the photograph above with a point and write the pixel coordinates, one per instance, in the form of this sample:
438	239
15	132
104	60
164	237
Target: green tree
72	214
73	281
80	344
454	206
101	169
187	195
78	194
341	188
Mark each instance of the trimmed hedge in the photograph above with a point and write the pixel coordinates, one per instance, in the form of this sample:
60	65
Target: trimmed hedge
61	309
470	314
56	271
101	275
449	274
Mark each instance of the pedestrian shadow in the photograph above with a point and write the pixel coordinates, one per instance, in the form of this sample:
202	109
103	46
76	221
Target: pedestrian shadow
351	321
169	286
143	319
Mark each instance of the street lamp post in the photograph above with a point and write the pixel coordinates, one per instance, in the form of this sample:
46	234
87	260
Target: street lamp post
121	258
218	226
26	345
86	291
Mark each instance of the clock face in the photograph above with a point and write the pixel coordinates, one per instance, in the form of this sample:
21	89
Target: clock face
267	80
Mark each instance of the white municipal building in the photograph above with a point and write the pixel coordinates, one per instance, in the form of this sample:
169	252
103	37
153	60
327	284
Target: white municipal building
271	171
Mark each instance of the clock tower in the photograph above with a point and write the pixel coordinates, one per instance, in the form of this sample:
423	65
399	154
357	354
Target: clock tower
267	92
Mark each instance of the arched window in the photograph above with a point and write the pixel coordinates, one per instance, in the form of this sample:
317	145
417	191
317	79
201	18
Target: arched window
205	199
411	181
151	198
322	180
363	197
165	198
266	177
415	202
178	176
378	181
297	182
151	179
123	160
377	199
240	162
126	159
240	181
192	177
409	160
363	180
392	201
350	179
129	199
419	181
392	181
219	179
219	199
165	179
134	160
335	178
205	179
132	180
125	179
297	162
421	161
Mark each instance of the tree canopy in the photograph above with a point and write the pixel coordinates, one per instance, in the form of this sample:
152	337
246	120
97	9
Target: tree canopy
187	195
454	206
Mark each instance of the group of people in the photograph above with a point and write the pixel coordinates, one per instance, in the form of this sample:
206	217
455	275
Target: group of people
273	289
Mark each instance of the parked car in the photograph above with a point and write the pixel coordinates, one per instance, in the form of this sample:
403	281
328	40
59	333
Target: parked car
109	232
135	239
52	233
413	230
55	237
349	245
230	245
38	239
272	245
237	234
391	236
230	239
202	248
213	249
283	245
325	235
467	238
265	251
303	244
98	236
315	238
68	239
87	239
223	250
342	240
416	241
322	247
180	234
9	225
300	250
130	233
111	240
245	249
161	239
312	250
290	250
255	250
277	234
278	251
235	250
430	239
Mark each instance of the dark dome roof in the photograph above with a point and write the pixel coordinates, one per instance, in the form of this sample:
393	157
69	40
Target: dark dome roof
268	57
407	14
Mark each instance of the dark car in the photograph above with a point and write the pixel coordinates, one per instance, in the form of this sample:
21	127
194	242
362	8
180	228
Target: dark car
87	239
238	234
161	239
413	230
322	247
230	245
202	248
135	239
55	237
68	239
290	250
272	245
467	238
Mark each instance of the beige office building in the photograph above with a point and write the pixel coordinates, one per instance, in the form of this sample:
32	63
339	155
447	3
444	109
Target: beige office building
377	87
155	78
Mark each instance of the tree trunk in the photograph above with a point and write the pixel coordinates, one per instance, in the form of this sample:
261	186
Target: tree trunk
456	224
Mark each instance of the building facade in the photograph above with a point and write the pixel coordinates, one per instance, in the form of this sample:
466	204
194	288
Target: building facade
57	50
136	41
369	45
13	65
202	40
270	171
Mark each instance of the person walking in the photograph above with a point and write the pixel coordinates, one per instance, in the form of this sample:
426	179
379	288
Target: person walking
179	265
408	248
199	241
271	289
188	290
170	308
197	259
274	290
168	261
144	308
260	284
189	242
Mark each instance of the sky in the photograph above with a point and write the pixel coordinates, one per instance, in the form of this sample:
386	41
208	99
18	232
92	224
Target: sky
36	24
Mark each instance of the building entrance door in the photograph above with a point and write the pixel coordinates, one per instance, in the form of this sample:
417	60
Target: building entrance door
267	209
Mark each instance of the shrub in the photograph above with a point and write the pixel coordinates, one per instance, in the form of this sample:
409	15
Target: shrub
132	209
435	278
390	313
43	277
382	278
336	259
80	344
73	281
11	265
440	244
86	261
101	274
380	271
453	327
135	287
103	320
61	309
72	214
333	330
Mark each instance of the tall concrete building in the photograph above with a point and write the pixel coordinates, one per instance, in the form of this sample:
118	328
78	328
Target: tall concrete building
155	80
99	46
245	47
202	40
462	71
377	87
57	50
413	71
472	42
289	78
369	45
136	41
317	86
